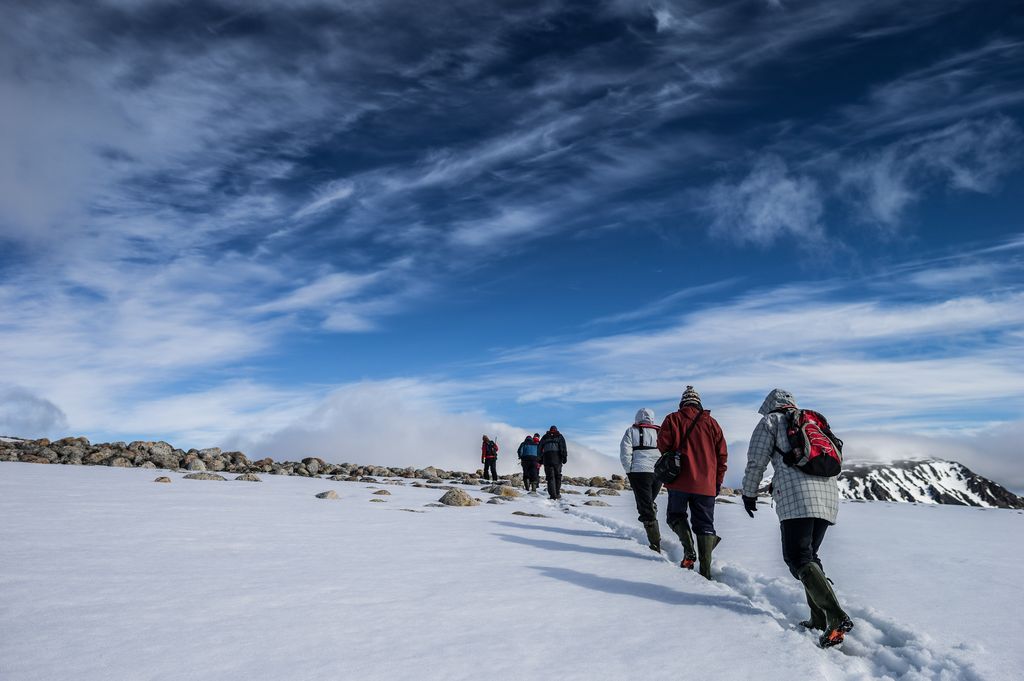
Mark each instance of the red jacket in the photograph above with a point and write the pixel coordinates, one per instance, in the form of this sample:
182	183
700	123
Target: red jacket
703	456
484	451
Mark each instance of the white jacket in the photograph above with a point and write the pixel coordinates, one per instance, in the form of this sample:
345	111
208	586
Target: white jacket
638	450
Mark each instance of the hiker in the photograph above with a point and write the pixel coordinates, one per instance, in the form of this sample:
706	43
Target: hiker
806	505
528	457
696	436
553	454
489	458
638	452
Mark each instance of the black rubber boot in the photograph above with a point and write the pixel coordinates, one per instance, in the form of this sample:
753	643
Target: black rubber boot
817	619
819	592
706	544
653	535
682	530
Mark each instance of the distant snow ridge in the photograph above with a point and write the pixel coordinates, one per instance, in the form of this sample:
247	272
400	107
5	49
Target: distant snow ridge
929	481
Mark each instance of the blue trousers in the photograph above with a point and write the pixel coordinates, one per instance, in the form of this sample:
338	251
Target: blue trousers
701	510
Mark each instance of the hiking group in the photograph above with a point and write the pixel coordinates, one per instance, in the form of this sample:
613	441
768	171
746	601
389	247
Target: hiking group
534	453
687	454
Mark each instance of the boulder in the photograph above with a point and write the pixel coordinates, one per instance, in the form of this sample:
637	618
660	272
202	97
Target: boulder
495	500
215	464
204	476
380	501
383	493
147	464
162	478
313	464
595	502
119	462
456	497
248	477
608	492
33	458
329	494
195	464
529	515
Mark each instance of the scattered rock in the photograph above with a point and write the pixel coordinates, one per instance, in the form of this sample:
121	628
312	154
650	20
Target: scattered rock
249	477
569	491
329	494
382	492
501	490
379	501
456	497
411	510
204	476
595	502
495	500
435	505
608	492
529	515
162	478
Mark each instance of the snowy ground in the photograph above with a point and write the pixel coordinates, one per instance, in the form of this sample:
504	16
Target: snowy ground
107	575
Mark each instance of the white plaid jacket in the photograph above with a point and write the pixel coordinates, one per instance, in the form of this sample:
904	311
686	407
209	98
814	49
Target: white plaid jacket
796	494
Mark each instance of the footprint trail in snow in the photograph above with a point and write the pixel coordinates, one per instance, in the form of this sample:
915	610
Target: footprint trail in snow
878	648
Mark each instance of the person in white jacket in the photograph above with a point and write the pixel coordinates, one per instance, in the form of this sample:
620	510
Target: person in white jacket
638	452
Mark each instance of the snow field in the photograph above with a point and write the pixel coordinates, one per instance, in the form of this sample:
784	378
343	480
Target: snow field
107	575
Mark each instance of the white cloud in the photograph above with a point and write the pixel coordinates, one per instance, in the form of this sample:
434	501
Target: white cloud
970	156
25	414
403	422
326	196
768	204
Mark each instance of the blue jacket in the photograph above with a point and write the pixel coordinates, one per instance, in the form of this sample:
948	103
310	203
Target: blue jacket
528	449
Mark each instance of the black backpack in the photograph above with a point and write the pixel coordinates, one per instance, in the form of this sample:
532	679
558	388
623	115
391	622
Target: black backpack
669	465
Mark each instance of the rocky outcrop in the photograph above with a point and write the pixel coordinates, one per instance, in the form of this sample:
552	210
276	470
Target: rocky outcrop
929	481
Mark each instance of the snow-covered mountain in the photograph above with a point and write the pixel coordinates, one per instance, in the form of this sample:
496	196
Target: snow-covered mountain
930	481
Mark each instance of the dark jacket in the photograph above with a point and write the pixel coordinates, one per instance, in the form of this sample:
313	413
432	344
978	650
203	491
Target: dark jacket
529	450
552	448
703	460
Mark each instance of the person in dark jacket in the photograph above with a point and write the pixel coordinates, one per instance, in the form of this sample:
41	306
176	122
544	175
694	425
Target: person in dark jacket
553	454
698	439
529	451
489	458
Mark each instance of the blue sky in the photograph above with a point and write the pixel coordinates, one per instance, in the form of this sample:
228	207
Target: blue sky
283	225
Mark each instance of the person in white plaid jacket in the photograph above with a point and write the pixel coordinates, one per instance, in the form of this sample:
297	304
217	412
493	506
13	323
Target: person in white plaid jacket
806	505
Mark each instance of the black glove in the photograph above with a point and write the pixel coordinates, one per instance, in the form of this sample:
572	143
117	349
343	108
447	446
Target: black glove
750	505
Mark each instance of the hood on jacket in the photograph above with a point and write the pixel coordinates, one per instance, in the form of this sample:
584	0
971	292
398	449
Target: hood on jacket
529	438
644	415
777	399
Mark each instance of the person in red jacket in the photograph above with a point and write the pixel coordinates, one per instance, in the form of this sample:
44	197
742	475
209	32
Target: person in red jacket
698	439
489	458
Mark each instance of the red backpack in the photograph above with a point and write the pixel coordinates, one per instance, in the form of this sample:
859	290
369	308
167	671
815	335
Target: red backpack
813	447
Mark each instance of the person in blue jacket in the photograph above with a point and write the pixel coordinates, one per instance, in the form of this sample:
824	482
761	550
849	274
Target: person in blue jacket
529	457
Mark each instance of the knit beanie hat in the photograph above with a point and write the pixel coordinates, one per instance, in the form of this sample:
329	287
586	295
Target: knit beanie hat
690	396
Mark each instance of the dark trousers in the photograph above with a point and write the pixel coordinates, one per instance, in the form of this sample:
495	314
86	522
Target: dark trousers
553	472
701	507
801	538
645	490
531	473
492	466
